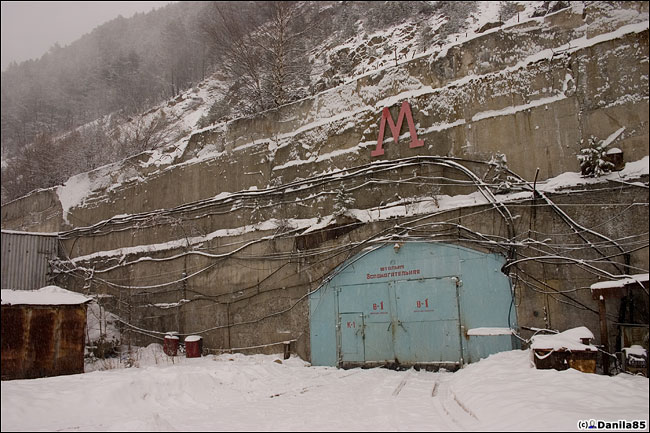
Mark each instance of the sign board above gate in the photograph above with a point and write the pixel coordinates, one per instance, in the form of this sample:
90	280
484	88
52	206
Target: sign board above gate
405	111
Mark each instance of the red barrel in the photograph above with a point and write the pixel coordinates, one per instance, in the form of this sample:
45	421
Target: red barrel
193	346
170	345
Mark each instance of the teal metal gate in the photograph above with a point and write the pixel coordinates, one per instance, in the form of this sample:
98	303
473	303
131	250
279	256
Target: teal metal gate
412	305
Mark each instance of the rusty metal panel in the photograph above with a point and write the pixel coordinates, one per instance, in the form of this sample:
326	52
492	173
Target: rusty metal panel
41	341
71	333
25	259
13	340
581	360
39	353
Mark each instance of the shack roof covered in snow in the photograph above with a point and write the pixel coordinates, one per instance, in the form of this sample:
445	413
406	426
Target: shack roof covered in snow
49	295
567	340
604	289
633	279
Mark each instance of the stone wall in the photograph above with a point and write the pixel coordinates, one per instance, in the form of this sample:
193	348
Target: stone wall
250	289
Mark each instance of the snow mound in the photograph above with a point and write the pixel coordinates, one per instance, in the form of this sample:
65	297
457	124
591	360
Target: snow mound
235	392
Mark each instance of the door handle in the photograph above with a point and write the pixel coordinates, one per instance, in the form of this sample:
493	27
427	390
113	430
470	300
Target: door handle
399	323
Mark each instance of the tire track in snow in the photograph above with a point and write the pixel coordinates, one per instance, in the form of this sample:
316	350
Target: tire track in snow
400	386
431	392
452	410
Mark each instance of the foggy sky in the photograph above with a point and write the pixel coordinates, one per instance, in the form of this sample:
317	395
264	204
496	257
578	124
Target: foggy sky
29	28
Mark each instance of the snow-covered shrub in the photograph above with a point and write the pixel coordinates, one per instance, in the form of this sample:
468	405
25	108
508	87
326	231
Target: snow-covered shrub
103	335
457	14
548	7
500	163
104	347
218	110
504	182
381	15
593	159
507	10
426	36
342	202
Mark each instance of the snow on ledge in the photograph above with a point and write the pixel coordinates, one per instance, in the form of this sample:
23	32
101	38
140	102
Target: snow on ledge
632	170
49	295
490	331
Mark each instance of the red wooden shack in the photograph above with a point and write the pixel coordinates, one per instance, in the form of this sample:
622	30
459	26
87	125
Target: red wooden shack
42	332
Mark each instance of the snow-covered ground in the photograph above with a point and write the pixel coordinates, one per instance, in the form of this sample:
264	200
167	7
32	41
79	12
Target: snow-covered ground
263	392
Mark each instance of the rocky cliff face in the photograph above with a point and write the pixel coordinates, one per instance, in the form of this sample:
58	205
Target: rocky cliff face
535	92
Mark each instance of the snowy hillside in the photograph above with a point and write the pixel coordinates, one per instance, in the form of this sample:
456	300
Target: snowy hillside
186	113
163	131
366	52
370	53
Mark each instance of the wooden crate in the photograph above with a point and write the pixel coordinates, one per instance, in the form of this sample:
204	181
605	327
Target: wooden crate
584	360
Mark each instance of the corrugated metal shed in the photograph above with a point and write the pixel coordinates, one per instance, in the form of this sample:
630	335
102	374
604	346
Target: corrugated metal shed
25	259
42	333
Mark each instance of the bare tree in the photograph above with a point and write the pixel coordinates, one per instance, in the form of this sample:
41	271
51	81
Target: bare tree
262	47
140	133
282	40
229	27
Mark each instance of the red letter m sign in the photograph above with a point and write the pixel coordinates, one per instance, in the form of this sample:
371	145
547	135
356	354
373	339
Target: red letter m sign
405	110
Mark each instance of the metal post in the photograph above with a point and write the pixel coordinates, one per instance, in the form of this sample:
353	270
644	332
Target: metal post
604	339
287	349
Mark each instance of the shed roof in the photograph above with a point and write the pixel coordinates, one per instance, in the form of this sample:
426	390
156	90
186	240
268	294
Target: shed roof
49	295
18	232
638	278
567	340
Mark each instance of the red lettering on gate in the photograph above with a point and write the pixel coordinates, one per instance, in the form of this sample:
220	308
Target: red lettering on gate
405	110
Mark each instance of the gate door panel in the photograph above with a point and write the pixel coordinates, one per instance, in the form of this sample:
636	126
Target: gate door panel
374	301
351	329
428	326
378	342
